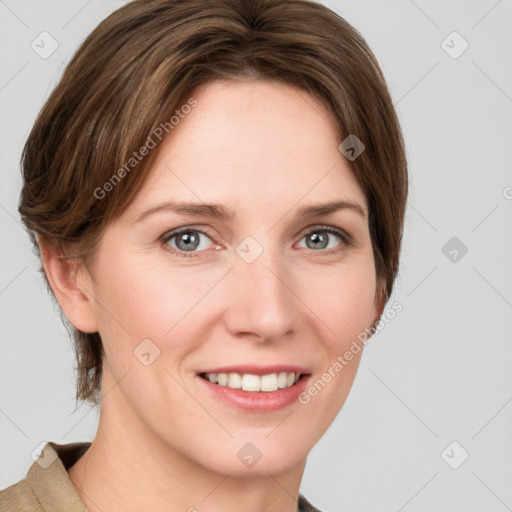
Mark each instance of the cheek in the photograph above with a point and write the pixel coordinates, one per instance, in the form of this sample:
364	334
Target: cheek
344	300
137	300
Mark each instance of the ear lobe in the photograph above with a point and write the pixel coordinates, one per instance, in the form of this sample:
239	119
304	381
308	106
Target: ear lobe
75	298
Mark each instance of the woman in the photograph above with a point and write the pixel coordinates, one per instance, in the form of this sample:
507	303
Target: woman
217	193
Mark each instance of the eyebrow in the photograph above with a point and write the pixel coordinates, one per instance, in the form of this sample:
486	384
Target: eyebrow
218	211
327	208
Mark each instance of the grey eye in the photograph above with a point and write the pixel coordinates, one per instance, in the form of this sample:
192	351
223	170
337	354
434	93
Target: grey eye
322	239
188	241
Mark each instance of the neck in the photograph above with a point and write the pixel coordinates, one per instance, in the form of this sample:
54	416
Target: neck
128	469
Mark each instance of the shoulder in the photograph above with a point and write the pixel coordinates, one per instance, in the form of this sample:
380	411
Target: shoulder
47	485
19	497
305	505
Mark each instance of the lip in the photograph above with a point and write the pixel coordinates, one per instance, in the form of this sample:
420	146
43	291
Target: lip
257	401
258	370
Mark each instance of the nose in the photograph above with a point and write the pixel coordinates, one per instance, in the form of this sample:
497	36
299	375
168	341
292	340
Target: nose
262	305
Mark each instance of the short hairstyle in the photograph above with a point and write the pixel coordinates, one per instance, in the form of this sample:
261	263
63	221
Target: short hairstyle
138	69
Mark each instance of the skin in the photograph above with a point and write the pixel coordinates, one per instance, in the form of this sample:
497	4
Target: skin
163	443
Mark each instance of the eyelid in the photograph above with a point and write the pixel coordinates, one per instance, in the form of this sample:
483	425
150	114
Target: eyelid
189	227
329	228
169	235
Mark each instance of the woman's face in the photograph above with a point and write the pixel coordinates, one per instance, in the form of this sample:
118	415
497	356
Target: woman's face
267	289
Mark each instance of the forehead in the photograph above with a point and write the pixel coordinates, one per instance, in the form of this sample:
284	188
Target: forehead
251	143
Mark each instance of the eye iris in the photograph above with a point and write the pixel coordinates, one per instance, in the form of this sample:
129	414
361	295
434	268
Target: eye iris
189	239
319	240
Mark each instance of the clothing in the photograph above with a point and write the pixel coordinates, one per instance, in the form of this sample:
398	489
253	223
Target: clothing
48	488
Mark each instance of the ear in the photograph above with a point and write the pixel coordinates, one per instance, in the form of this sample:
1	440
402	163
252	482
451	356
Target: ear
71	283
379	300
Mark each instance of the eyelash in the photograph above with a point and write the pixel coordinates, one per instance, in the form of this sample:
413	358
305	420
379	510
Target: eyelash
345	237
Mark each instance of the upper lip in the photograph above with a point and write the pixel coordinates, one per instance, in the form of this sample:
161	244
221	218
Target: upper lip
258	370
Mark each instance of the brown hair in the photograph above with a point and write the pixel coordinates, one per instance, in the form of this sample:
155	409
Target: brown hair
137	69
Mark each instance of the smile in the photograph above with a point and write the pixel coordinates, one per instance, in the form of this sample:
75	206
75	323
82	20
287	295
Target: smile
255	389
251	382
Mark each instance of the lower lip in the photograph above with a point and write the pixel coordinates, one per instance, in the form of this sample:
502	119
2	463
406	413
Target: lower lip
262	401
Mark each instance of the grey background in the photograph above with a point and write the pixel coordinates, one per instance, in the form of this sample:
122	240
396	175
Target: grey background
439	372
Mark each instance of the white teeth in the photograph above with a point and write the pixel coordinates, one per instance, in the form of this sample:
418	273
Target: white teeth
282	379
269	382
234	380
251	382
222	379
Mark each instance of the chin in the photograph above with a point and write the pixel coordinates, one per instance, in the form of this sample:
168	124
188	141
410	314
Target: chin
255	453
